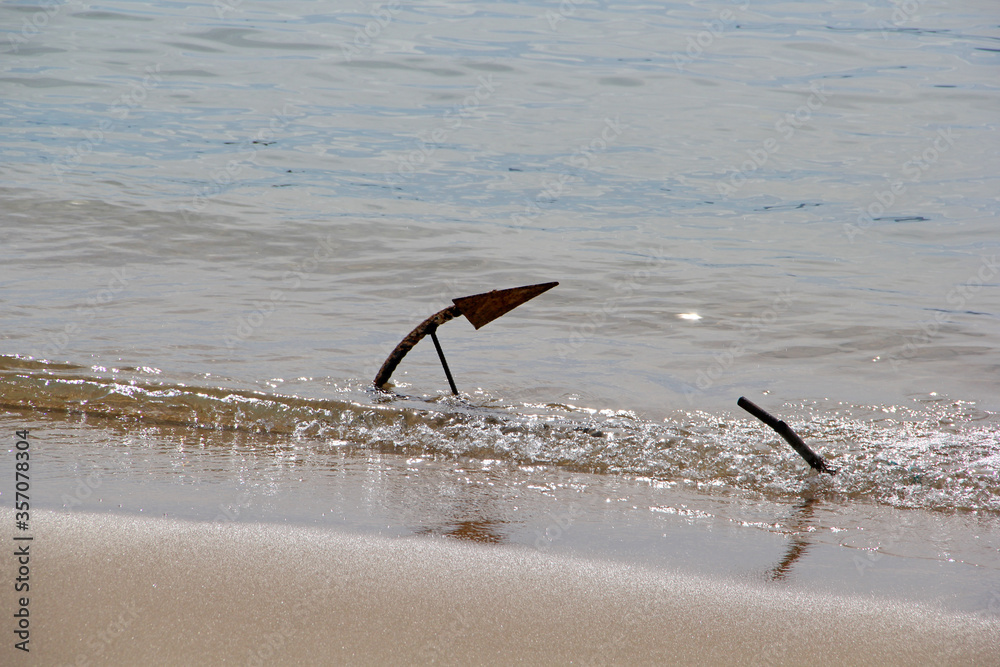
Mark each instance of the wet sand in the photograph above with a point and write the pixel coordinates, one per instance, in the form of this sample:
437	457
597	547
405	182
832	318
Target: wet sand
119	589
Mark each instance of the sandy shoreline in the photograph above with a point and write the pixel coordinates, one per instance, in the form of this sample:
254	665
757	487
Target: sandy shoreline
116	589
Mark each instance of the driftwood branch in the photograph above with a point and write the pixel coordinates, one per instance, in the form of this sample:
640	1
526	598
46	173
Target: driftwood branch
786	432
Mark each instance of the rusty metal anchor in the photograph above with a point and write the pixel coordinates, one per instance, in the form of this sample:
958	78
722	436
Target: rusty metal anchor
479	309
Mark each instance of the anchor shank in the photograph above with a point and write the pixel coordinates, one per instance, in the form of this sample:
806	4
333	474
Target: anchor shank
427	326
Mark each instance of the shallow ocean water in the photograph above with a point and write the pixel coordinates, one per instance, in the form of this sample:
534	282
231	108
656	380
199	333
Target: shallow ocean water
217	220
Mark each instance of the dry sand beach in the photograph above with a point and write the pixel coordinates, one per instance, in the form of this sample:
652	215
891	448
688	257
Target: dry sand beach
166	592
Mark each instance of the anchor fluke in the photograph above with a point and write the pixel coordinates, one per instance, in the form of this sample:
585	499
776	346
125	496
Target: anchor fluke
481	309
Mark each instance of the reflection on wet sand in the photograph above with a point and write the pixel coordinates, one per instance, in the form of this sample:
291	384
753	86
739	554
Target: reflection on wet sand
475	530
800	521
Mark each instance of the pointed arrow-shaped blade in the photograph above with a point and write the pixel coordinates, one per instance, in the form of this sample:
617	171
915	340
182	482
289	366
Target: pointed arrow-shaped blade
481	309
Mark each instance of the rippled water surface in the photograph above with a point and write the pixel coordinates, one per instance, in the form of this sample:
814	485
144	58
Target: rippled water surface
216	220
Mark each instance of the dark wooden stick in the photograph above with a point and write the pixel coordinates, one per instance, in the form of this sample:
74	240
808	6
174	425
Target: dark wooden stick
447	371
786	432
414	337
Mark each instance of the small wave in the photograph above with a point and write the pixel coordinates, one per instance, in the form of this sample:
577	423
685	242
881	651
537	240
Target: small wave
941	455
